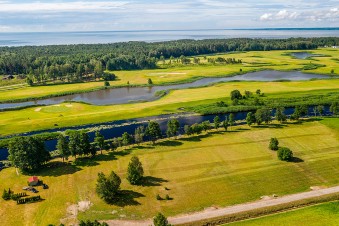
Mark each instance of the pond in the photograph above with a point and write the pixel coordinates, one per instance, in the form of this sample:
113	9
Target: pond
138	94
304	55
116	129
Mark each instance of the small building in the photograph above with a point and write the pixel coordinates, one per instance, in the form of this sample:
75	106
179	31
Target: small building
33	181
8	77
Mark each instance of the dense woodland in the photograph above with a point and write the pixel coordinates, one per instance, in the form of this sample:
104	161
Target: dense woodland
81	62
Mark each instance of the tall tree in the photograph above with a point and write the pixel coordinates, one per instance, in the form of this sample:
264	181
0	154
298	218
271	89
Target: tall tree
263	115
99	141
28	153
135	171
334	108
85	144
153	131
62	147
108	187
250	118
231	118
173	126
280	114
216	121
127	139
160	220
139	135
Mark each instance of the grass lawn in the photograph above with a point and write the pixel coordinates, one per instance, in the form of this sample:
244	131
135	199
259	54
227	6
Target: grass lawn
323	214
277	60
218	169
39	118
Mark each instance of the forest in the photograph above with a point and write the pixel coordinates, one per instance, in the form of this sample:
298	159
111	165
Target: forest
86	62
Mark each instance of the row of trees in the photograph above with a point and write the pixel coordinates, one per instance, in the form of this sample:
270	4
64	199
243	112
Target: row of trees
75	61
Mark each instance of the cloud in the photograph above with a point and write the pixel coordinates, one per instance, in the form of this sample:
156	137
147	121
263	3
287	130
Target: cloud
8	7
314	15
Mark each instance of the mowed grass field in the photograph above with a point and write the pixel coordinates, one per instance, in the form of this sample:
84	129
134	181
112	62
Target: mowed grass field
323	214
252	61
38	118
217	169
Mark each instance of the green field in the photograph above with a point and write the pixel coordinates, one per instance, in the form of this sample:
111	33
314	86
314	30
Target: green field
323	214
252	61
38	118
216	169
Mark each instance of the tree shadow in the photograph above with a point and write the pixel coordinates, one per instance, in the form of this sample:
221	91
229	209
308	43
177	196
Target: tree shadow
271	126
123	152
296	160
169	143
105	157
126	198
86	161
150	181
197	138
56	169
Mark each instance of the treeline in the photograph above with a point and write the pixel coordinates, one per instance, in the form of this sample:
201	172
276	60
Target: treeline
81	62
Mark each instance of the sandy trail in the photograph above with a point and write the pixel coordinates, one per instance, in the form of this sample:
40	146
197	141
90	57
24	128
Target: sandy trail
212	212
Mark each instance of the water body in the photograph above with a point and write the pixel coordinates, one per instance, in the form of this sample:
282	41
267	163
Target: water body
137	94
116	129
95	37
304	55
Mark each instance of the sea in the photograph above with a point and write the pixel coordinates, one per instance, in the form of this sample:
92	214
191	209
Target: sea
95	37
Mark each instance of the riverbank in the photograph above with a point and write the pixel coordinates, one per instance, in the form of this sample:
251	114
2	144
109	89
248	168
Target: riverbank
177	101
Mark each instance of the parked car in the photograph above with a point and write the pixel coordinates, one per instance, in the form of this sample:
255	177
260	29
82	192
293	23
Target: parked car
26	188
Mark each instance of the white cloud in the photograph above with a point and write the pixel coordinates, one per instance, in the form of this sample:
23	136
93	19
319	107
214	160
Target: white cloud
314	15
266	16
59	7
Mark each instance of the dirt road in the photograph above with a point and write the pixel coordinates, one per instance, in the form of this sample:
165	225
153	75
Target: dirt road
212	213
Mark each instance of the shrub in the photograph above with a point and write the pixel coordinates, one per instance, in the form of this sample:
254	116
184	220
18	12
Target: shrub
107	187
160	220
274	144
167	197
158	197
135	171
6	195
106	83
285	154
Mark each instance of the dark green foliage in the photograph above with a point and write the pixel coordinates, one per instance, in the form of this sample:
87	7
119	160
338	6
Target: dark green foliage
172	127
320	109
188	130
62	147
231	119
285	154
6	195
235	94
127	139
106	83
216	121
139	135
153	131
225	124
108	77
135	171
334	108
167	197
158	197
263	115
92	223
258	92
248	94
28	200
250	118
206	125
280	114
150	82
17	196
99	141
274	144
79	143
196	128
108	187
28	153
160	220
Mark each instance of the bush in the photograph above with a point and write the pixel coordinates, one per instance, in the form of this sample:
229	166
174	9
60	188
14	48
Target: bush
135	171
106	83
167	197
274	144
6	195
160	220
107	187
158	197
285	154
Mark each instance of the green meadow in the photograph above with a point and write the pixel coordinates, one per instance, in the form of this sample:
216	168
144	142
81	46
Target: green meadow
214	169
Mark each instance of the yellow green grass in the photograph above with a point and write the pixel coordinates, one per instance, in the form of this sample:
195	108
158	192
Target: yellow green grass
277	60
323	214
38	118
218	169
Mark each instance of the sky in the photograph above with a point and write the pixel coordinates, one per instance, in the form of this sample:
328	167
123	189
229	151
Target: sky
102	15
